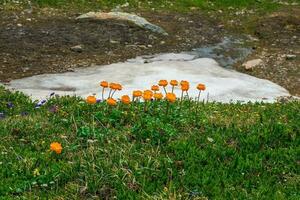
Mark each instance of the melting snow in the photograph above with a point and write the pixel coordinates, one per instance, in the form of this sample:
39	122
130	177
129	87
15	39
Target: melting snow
223	85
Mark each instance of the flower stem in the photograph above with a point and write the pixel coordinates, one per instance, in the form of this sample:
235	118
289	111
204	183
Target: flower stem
167	109
165	90
113	93
103	94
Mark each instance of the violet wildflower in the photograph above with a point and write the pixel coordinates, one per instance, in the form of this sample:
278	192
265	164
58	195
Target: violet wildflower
98	100
10	105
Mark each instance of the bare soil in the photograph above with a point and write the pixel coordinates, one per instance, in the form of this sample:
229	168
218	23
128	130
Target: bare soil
278	46
41	42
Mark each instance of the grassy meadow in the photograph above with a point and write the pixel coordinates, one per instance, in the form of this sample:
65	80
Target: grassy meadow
191	151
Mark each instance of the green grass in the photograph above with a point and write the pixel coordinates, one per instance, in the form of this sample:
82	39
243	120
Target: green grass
177	5
218	151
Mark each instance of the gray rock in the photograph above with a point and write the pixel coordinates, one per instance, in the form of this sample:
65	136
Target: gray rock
137	20
249	65
77	48
290	57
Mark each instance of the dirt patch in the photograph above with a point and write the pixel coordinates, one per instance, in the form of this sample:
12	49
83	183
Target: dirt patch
41	42
278	45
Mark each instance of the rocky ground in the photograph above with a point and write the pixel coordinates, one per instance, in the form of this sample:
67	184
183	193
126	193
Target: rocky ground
49	41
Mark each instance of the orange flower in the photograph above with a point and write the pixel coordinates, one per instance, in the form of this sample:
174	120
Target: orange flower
137	93
155	88
147	97
201	87
111	102
104	84
185	87
119	86
125	99
148	92
56	147
158	96
113	86
174	83
184	83
171	97
91	100
163	83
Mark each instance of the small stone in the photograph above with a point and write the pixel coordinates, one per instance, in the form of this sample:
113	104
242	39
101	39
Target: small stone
77	48
290	56
162	42
114	42
19	25
249	65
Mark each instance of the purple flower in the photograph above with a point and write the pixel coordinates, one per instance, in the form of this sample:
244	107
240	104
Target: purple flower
39	104
98	100
10	105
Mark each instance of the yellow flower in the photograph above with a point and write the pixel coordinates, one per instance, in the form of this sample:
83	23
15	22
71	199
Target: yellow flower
171	97
91	100
111	102
56	147
125	99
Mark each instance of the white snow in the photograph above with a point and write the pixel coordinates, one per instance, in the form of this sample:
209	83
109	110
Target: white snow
223	85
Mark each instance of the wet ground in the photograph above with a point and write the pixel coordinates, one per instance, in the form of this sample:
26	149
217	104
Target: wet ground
41	42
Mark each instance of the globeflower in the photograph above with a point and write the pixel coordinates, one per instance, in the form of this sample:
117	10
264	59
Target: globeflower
163	83
201	87
158	96
104	84
56	147
171	97
137	93
111	102
173	83
91	100
125	99
155	88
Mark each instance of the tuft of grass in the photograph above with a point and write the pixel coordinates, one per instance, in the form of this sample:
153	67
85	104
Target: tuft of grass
218	151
